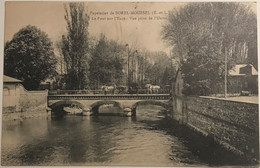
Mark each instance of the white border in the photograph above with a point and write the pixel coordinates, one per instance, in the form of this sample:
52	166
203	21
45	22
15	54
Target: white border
2	16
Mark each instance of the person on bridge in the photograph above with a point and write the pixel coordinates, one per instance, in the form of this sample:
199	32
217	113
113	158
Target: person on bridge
106	90
113	90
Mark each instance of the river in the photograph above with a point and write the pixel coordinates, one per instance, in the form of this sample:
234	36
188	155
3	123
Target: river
143	140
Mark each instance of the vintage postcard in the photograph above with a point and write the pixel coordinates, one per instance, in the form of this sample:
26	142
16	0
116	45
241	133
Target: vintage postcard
162	84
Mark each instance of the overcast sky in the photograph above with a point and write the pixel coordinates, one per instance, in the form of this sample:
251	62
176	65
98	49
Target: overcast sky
49	17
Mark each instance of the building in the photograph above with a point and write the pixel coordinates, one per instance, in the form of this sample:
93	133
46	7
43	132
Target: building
12	89
18	103
243	77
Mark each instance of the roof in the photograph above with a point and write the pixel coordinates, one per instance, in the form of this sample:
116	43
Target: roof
235	71
8	79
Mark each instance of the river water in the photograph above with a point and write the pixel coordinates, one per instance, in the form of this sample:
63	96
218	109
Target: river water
143	140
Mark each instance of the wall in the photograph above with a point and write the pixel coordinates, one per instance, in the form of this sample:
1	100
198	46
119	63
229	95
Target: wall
23	104
232	124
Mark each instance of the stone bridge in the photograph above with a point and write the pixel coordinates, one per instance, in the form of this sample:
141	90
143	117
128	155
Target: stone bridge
125	103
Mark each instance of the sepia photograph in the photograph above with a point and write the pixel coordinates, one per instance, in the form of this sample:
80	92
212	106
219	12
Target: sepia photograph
137	84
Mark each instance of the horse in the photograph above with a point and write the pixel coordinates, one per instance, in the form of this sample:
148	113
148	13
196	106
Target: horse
155	88
107	89
152	88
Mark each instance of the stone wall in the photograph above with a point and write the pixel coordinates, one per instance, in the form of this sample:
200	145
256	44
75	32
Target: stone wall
232	124
30	104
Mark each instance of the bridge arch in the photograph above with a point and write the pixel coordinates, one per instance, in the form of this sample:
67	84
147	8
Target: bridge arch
95	106
124	103
57	108
149	102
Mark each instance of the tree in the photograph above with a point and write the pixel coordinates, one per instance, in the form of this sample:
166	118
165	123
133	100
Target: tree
74	46
167	77
29	56
107	63
201	34
155	72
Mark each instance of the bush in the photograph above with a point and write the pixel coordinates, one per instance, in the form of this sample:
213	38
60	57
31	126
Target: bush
200	88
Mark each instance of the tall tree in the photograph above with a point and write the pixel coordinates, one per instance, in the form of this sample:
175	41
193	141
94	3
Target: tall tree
29	56
155	71
107	63
75	47
201	34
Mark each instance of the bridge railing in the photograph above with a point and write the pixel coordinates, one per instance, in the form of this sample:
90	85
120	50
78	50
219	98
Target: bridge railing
94	92
61	92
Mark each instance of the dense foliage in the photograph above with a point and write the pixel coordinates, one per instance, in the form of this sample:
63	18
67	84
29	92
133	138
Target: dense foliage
106	65
29	57
201	34
161	71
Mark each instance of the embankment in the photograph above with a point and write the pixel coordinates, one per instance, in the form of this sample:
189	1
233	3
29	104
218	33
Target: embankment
232	124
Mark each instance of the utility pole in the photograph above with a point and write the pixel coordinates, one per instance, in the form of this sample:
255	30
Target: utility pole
142	71
133	68
128	64
137	68
225	93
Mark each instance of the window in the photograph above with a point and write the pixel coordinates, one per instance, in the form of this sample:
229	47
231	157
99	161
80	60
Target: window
6	91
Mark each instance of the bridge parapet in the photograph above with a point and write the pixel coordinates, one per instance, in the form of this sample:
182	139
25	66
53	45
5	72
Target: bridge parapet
111	97
100	91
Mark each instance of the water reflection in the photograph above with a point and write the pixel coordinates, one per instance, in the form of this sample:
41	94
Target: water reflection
143	140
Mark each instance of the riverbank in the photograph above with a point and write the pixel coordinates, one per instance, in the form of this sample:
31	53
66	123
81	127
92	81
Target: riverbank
204	147
39	111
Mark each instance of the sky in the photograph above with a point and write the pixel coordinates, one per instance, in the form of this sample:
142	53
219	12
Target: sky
49	17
